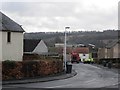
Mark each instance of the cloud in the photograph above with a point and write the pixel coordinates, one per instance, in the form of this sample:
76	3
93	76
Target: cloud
54	16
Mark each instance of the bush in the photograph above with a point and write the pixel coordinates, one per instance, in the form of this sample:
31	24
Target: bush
9	64
27	69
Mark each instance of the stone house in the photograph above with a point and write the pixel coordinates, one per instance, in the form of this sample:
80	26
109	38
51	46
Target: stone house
112	50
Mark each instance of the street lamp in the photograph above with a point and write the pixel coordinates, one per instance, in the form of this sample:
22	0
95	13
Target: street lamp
66	29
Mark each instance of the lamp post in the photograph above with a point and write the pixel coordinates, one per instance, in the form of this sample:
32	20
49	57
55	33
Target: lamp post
66	28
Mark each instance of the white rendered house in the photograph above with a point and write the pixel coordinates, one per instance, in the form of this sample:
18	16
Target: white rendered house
11	39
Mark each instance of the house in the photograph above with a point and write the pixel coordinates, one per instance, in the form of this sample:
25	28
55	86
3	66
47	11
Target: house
102	53
57	45
112	50
83	52
11	39
35	46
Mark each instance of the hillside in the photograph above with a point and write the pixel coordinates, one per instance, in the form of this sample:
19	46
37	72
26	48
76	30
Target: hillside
98	38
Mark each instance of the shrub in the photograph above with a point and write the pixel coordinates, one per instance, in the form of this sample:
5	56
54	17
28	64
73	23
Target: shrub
9	64
27	69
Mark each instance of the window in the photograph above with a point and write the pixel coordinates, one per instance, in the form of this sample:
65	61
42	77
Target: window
8	37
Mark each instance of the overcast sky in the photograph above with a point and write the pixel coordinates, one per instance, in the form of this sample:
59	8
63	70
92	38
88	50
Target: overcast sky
85	15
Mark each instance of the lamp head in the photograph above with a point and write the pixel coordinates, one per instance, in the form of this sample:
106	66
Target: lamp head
67	27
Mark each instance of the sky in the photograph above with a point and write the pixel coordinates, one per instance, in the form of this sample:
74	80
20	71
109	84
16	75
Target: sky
52	16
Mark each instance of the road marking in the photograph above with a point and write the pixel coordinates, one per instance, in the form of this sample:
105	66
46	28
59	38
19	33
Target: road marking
60	86
90	81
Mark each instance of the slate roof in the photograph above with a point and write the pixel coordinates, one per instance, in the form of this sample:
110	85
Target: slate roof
110	45
7	24
30	44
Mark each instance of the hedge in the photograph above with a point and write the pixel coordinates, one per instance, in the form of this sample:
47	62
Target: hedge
26	69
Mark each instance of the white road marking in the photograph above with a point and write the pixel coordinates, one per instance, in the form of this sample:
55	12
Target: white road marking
60	86
90	81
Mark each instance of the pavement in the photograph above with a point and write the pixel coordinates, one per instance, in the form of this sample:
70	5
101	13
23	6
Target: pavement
116	70
59	76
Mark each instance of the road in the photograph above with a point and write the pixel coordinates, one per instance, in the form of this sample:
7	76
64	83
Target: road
88	76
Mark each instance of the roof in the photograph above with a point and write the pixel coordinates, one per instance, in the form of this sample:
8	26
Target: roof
30	44
113	43
81	50
6	24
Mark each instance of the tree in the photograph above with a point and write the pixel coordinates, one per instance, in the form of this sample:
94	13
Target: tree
58	40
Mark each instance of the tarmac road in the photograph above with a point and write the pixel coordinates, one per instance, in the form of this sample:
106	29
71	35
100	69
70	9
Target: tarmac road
88	76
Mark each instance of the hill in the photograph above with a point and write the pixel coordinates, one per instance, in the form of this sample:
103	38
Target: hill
97	38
